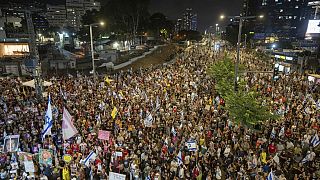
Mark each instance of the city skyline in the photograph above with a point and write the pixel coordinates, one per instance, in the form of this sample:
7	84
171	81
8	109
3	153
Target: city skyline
208	11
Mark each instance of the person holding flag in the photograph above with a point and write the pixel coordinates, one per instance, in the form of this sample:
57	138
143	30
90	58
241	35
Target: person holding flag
48	121
270	176
273	133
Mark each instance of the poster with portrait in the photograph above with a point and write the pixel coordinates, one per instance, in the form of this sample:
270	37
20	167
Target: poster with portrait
24	156
45	156
11	143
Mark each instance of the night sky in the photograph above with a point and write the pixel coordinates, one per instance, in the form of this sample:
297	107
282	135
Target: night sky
208	10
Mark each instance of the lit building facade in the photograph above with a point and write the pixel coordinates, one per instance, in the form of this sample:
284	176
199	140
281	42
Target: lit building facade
70	13
190	20
282	18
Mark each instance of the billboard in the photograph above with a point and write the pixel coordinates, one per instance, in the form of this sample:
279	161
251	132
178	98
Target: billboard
313	27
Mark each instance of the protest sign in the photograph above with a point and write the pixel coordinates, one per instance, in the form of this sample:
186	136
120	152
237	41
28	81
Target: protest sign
104	135
11	143
67	158
45	156
116	176
29	166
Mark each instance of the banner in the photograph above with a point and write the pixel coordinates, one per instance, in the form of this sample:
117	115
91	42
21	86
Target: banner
45	156
11	143
116	176
104	135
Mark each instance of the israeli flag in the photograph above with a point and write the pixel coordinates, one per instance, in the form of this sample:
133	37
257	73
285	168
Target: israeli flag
179	158
273	133
166	142
318	104
148	120
315	141
148	177
173	131
270	176
48	121
91	157
281	133
157	103
304	160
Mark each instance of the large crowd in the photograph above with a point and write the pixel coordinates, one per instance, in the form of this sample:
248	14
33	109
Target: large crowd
153	115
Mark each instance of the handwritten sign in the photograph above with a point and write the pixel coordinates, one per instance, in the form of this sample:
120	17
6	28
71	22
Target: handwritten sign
104	135
116	176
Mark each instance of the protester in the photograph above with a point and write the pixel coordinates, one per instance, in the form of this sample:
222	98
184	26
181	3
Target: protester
165	122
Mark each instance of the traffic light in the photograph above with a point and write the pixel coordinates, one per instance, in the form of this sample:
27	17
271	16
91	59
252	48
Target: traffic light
276	72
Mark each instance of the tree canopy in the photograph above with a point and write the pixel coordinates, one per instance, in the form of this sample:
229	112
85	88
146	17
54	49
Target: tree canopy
244	106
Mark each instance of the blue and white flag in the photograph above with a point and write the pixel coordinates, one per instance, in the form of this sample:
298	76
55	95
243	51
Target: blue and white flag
270	176
48	121
63	94
179	158
315	141
318	104
91	157
191	145
281	133
166	142
157	103
148	177
148	120
173	131
273	133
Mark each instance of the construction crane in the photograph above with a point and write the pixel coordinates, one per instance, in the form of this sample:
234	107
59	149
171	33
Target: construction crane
34	54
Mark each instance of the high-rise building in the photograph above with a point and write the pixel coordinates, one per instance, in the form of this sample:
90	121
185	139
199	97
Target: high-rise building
56	15
189	20
194	22
178	27
282	18
70	13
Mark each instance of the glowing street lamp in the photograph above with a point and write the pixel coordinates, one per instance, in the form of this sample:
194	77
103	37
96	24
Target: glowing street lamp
241	19
91	43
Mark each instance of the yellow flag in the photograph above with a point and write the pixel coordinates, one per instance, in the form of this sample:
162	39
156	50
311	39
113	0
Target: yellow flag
107	80
114	112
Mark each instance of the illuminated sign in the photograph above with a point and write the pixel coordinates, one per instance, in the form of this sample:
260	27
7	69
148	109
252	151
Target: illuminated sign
14	49
313	27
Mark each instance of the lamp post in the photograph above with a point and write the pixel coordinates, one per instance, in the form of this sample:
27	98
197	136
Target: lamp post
236	67
92	52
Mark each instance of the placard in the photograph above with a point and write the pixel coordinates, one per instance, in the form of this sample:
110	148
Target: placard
116	176
104	135
67	158
29	166
45	156
11	143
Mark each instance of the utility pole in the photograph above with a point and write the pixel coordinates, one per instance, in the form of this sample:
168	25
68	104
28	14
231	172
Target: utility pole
34	55
236	67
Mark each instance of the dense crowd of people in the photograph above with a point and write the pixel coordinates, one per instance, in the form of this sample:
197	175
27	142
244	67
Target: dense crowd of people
153	116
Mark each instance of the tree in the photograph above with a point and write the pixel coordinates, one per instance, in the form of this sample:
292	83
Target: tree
91	17
125	16
160	25
245	107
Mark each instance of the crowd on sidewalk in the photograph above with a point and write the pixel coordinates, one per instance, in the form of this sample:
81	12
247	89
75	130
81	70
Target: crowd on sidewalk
163	122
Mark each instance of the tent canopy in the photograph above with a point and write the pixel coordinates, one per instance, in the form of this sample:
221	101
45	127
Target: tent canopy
32	84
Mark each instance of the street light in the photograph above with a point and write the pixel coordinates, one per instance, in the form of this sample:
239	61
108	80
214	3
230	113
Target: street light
236	68
91	43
